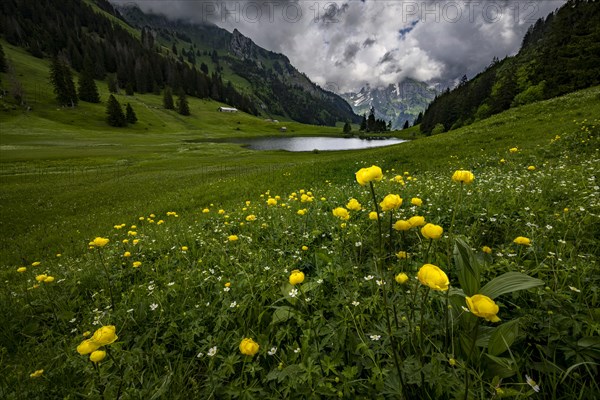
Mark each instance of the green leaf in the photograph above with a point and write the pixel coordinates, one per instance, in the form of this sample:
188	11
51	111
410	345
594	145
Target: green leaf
509	282
503	337
282	314
307	287
468	268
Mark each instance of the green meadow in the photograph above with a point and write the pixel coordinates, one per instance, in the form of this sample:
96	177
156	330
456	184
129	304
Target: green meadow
226	274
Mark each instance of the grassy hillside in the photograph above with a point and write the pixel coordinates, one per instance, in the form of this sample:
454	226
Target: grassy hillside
202	240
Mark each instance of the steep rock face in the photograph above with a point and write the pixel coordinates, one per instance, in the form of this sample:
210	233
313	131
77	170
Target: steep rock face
276	86
242	47
397	103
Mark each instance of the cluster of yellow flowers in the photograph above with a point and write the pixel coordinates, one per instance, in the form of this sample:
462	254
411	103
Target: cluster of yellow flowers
367	175
102	337
99	242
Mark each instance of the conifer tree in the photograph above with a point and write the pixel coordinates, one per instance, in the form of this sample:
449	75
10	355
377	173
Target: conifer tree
183	107
112	84
363	124
406	125
88	91
62	80
130	116
3	62
168	99
115	116
347	128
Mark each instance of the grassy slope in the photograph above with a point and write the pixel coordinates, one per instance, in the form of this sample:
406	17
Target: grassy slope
67	175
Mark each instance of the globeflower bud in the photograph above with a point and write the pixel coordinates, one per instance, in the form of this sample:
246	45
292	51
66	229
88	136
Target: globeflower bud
104	336
249	347
366	175
97	356
432	276
296	277
353	205
462	176
341	213
431	231
401	278
484	307
390	202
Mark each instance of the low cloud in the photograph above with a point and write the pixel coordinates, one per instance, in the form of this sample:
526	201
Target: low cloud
348	44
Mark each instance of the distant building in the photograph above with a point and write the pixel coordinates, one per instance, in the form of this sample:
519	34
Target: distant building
283	129
228	109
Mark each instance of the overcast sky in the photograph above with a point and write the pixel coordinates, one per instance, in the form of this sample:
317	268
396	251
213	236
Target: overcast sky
343	45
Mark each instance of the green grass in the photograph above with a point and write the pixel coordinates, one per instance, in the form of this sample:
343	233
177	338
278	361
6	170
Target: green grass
68	178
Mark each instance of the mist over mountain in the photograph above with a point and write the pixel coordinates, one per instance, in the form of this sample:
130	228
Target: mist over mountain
397	103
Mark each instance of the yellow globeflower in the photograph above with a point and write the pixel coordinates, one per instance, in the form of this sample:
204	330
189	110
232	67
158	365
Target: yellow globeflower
373	215
341	213
86	347
97	356
431	231
401	278
390	202
35	264
41	277
486	250
21	269
137	264
49	279
232	238
401	255
205	211
36	374
304	248
296	277
251	218
271	202
522	241
484	307
104	335
416	221
99	242
463	176
249	347
302	211
531	168
432	276
401	225
184	248
366	175
415	201
513	150
353	205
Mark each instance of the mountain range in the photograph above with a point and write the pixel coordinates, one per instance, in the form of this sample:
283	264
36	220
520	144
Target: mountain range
396	103
145	53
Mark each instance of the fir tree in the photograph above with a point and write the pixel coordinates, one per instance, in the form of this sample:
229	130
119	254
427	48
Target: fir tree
87	86
168	99
115	116
183	107
3	62
406	125
62	80
129	89
347	128
130	114
112	84
363	124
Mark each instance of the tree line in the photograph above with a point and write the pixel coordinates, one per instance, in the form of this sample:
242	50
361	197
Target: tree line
559	54
72	31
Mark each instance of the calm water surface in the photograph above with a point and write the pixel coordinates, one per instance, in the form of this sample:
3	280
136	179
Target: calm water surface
316	143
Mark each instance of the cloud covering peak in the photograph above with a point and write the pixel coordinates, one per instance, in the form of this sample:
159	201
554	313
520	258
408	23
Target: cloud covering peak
344	45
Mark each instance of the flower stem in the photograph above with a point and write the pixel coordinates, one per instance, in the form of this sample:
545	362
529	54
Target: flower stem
112	298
